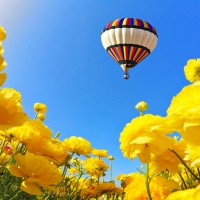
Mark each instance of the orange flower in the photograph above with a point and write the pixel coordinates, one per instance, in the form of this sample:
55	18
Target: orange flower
37	171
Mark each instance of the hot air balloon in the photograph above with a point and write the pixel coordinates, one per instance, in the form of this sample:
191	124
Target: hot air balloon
128	41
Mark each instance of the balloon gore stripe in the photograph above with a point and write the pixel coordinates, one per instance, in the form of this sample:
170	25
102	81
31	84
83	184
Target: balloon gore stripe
128	53
130	23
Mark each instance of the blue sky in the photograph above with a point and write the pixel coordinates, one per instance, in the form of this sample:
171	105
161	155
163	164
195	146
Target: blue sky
55	56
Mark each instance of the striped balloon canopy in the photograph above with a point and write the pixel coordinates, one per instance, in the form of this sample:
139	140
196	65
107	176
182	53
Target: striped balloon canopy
128	41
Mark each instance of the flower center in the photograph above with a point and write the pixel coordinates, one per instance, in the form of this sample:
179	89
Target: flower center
197	71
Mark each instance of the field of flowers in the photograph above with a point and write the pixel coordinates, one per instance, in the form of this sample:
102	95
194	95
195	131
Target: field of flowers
36	165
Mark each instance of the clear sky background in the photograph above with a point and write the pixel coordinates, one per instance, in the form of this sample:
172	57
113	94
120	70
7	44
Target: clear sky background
55	56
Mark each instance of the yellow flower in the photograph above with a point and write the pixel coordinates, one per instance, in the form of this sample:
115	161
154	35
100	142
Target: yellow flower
100	153
73	170
189	194
31	131
83	183
1	49
3	77
53	151
11	109
184	113
192	70
37	171
40	107
193	155
125	179
106	188
168	161
3	65
95	167
142	106
159	189
41	116
88	193
2	33
145	135
78	145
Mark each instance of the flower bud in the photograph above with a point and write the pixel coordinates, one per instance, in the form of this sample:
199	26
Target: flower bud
141	106
111	158
41	116
57	135
40	107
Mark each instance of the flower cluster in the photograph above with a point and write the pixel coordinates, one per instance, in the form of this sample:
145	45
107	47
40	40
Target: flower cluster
170	162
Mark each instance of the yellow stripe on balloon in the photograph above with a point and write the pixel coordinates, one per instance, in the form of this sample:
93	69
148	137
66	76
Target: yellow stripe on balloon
135	22
124	47
130	54
125	21
115	22
145	24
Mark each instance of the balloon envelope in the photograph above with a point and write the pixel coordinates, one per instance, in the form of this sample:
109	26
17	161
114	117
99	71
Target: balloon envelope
129	40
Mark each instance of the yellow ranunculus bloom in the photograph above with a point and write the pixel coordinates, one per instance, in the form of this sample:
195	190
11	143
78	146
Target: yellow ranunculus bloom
193	155
1	49
95	166
192	70
40	107
168	161
125	179
2	33
31	131
3	65
78	145
37	171
160	188
106	188
189	194
100	153
145	135
184	113
89	193
11	109
3	77
53	151
73	170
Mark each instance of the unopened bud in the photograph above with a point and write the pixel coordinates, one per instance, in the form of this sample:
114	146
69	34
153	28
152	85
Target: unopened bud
57	135
111	158
142	106
41	116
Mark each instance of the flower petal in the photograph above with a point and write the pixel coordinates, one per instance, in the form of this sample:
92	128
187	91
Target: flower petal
15	171
30	188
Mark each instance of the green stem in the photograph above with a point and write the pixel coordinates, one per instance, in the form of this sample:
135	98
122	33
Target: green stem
183	180
36	115
110	170
185	165
198	171
147	181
